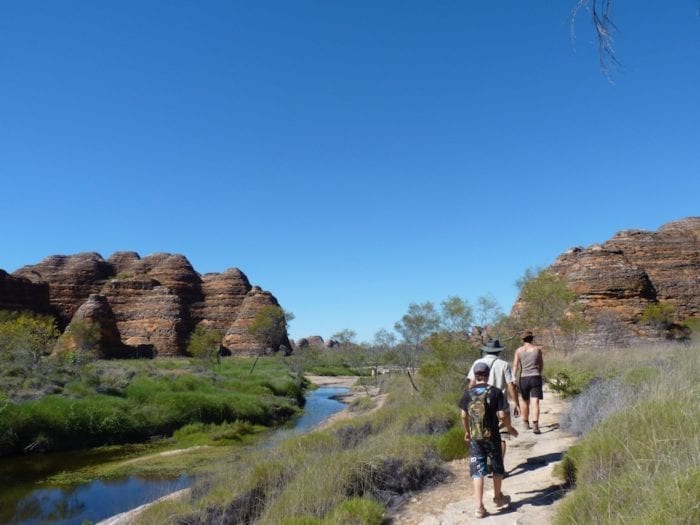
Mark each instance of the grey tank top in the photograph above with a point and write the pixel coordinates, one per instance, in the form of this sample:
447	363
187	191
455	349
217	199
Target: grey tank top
529	364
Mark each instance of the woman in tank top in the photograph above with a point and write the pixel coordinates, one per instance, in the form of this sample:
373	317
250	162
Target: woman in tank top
529	359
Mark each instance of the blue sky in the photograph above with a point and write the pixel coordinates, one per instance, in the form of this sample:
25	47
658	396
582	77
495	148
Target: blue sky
350	157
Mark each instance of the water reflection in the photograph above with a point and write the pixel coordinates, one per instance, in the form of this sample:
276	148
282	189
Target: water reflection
99	500
91	502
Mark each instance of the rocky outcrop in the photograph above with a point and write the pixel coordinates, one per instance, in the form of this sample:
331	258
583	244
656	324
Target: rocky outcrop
671	259
615	281
152	302
20	293
71	280
238	339
95	312
223	295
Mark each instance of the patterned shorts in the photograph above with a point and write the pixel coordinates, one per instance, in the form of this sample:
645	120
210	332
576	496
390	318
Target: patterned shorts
480	452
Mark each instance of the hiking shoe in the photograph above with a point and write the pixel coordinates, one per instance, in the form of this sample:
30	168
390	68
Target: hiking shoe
502	501
480	513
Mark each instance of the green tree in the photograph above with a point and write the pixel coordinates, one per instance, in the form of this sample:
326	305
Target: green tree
457	314
546	301
415	326
205	344
25	338
384	340
488	311
269	326
345	337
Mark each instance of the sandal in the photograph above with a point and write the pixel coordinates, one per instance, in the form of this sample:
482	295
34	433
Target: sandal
480	513
502	501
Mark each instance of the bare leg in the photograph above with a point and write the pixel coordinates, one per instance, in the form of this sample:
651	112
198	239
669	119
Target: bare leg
536	414
497	481
479	491
525	412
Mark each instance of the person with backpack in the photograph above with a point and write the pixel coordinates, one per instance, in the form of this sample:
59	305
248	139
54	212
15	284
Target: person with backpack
501	376
529	359
482	407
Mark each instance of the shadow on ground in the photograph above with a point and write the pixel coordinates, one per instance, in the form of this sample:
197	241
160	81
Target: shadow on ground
534	463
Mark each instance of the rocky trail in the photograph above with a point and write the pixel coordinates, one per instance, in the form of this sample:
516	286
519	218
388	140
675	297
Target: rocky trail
534	490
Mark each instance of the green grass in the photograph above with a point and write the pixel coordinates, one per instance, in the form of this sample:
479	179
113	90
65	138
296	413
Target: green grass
642	463
150	398
347	473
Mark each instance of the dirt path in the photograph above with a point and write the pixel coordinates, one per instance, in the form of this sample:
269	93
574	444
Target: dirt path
529	462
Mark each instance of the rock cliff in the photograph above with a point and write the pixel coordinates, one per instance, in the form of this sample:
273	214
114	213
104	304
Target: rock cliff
154	302
615	281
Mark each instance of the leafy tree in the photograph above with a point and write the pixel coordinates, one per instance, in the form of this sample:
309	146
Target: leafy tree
488	311
25	337
205	344
546	300
384	340
345	337
415	326
457	314
269	326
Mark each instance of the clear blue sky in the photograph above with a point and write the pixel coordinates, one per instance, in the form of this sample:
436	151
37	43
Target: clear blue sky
352	156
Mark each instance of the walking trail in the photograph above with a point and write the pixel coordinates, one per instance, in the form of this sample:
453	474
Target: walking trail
534	490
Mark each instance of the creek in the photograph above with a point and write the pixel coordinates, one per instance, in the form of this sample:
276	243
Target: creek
24	500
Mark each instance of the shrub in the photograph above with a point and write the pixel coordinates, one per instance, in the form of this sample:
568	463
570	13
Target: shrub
640	464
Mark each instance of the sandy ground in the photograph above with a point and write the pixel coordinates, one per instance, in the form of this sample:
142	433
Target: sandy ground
529	461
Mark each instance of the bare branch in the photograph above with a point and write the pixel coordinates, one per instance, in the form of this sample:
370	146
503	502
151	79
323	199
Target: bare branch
601	16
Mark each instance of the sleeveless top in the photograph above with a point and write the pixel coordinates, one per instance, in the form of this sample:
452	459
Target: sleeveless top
529	362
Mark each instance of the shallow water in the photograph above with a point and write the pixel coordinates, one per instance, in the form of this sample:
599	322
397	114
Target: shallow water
21	502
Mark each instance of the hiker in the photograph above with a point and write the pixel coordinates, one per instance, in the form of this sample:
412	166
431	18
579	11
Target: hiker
501	376
482	406
529	358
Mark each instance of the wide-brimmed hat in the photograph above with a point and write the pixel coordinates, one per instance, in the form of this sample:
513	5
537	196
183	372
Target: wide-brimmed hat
493	347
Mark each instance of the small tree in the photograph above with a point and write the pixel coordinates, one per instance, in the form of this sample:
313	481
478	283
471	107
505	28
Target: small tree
205	344
415	326
269	327
457	314
546	300
25	338
659	316
488	311
345	337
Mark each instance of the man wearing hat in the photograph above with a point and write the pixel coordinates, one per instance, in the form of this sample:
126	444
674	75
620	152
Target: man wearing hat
500	375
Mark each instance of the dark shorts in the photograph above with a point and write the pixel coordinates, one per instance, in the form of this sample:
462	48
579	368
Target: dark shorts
531	386
479	454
